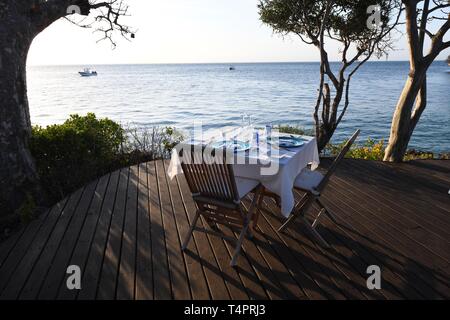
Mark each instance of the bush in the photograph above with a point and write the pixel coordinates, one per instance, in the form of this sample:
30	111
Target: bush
294	130
420	155
370	150
153	142
27	210
75	152
84	148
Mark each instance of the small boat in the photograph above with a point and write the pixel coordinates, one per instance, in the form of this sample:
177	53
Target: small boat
231	68
88	73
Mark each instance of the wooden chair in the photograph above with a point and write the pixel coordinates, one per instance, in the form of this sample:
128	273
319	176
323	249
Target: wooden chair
313	183
218	194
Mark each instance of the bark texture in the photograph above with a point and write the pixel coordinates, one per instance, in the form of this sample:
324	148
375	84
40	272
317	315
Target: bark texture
20	22
17	170
413	99
410	106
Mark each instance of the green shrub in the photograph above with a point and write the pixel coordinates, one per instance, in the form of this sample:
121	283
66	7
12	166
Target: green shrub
75	152
155	142
370	150
171	138
420	155
373	150
294	130
84	148
27	209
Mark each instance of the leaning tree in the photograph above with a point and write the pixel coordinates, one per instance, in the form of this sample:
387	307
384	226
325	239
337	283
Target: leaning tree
424	19
352	24
20	22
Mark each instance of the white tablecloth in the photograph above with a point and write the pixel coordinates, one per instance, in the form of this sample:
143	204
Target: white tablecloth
278	171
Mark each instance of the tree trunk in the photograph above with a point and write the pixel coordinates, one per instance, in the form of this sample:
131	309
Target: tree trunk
18	175
403	122
327	124
325	134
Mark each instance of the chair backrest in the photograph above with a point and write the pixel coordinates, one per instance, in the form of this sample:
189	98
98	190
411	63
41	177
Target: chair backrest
210	180
337	160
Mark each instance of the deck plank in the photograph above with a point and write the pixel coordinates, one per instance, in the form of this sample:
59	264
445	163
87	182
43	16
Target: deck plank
162	289
85	241
197	280
127	266
425	257
205	257
7	246
387	257
177	267
23	269
125	230
57	271
300	258
413	231
92	270
409	208
275	277
48	240
20	248
144	272
109	273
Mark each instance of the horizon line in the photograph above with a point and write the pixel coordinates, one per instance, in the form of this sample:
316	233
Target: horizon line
205	63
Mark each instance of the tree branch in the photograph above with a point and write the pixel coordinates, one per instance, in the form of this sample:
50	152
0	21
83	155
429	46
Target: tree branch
423	26
105	16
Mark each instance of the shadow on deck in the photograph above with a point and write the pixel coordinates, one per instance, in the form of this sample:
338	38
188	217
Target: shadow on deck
124	232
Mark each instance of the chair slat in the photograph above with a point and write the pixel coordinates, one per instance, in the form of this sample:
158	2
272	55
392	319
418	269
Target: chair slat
214	191
215	180
337	161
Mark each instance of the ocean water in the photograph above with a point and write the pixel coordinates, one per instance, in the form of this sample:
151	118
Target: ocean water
278	93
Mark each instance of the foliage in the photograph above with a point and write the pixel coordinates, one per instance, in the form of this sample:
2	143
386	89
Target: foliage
294	130
155	142
369	150
347	22
373	150
27	209
419	155
84	147
75	152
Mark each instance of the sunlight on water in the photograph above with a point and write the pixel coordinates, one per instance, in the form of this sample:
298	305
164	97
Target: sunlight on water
176	95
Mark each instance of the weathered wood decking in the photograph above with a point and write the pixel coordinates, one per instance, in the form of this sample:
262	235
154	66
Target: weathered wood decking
124	232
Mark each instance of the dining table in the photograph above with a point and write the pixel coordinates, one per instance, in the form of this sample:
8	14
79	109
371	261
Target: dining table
263	155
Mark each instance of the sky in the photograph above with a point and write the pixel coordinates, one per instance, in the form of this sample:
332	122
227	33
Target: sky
182	31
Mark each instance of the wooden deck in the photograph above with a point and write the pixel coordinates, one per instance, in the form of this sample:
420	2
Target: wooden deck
124	232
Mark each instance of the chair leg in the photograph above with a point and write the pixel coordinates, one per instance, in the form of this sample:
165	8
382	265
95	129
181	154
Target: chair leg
191	230
237	250
246	230
288	222
315	233
258	209
327	211
316	220
299	210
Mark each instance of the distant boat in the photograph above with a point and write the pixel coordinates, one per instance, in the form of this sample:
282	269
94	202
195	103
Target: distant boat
231	68
88	73
448	61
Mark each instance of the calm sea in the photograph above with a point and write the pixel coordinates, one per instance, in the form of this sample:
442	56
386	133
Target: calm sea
176	95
